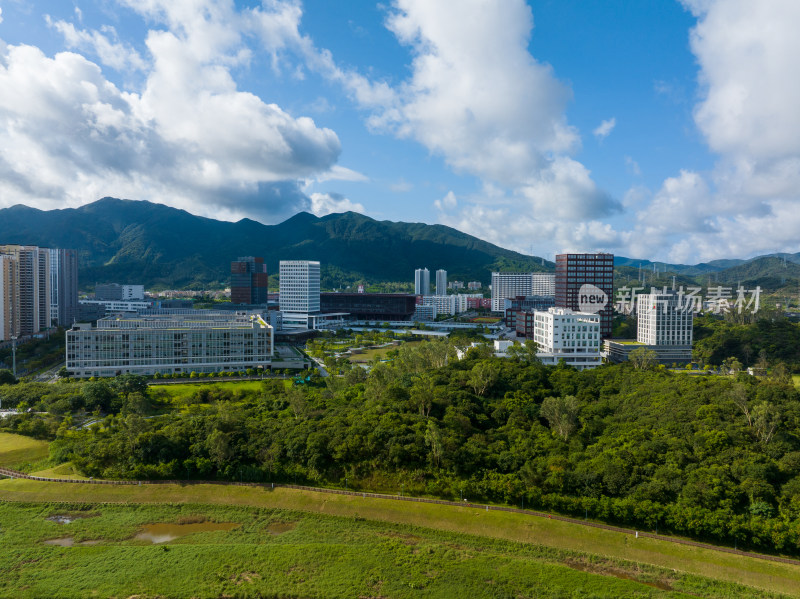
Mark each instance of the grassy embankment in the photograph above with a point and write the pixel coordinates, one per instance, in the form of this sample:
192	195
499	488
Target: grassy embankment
293	552
20	452
592	543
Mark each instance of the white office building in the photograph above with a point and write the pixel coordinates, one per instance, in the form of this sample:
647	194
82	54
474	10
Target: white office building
445	304
441	282
198	341
508	285
422	281
662	320
299	286
121	293
543	283
563	334
299	293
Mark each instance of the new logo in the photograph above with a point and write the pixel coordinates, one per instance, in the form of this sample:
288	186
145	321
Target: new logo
591	299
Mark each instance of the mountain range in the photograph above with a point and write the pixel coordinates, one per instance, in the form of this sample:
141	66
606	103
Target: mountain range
129	241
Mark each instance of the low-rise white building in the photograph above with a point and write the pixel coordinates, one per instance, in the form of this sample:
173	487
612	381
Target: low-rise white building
204	341
445	304
563	334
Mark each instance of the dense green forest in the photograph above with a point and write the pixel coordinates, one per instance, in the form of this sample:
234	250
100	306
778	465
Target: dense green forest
710	457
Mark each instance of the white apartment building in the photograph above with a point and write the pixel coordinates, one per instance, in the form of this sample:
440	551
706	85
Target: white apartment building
299	286
663	319
507	285
462	301
422	281
543	283
563	334
445	304
441	282
201	341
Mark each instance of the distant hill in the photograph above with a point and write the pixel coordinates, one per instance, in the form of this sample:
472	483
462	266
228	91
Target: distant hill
141	242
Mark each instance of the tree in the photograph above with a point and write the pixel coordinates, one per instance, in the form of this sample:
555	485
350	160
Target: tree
643	358
433	439
766	418
97	395
7	377
561	414
126	384
738	394
483	375
524	352
732	365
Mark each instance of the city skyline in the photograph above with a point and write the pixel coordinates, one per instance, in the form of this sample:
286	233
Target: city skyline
664	131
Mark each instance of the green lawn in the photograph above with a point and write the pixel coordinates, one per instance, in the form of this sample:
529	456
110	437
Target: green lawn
370	354
290	553
16	451
518	528
180	390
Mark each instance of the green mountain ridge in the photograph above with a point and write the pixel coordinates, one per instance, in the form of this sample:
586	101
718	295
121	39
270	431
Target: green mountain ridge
130	241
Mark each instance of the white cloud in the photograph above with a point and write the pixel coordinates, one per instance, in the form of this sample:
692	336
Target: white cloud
1	14
605	128
109	50
323	204
448	202
401	186
476	97
749	93
189	137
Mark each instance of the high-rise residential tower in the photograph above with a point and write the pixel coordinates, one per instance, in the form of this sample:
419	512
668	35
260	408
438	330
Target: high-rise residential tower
63	286
579	277
9	300
441	282
422	281
508	285
33	286
299	286
249	281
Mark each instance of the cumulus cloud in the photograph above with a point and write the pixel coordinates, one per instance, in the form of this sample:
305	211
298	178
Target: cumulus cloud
189	137
476	97
105	45
748	115
605	128
328	203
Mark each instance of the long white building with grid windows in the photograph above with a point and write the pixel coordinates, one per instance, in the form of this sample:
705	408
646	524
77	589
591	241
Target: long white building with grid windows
170	343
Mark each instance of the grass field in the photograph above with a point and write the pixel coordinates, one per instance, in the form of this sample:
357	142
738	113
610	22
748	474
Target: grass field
17	451
289	553
553	534
181	390
370	354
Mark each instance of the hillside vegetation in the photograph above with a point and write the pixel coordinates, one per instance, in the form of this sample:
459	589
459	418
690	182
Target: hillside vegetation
715	458
141	242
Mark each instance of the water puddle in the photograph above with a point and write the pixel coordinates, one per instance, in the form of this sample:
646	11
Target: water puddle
278	528
70	542
68	518
164	532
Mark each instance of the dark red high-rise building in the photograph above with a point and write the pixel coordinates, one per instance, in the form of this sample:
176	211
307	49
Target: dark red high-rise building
249	282
573	271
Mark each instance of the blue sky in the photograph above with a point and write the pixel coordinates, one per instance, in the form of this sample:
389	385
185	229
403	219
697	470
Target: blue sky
666	130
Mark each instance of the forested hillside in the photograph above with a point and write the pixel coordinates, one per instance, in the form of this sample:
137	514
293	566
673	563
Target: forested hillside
141	242
715	458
